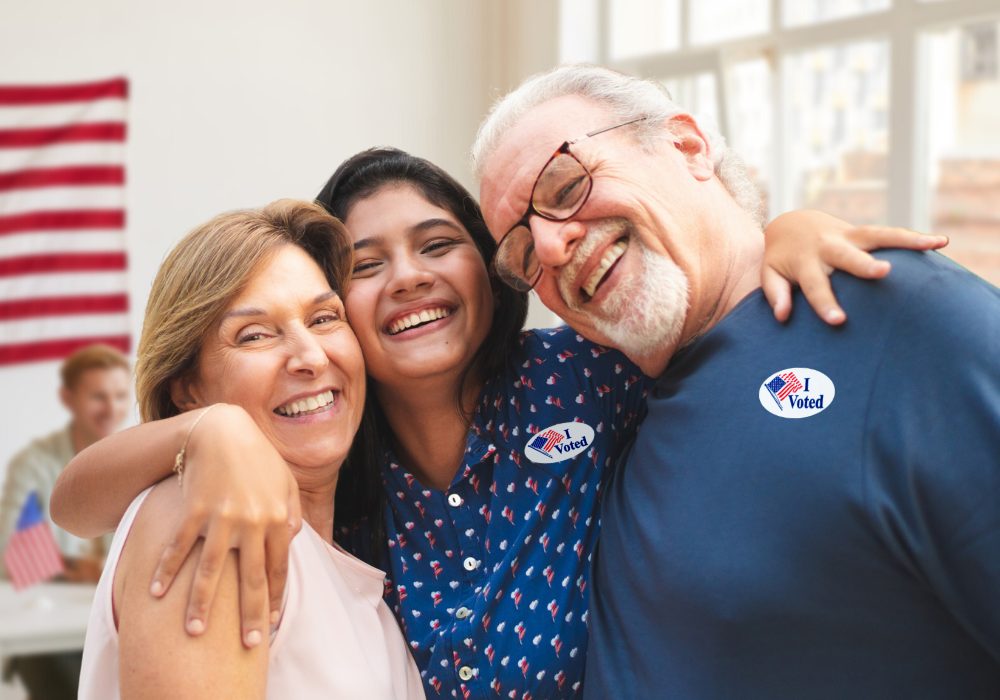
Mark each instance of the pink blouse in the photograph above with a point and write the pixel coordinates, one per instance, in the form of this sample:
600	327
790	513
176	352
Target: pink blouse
331	642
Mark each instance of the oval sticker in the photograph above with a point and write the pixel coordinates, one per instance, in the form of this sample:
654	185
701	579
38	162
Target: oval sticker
797	392
559	442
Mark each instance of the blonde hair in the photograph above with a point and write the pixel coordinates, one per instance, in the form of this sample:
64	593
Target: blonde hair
207	270
96	356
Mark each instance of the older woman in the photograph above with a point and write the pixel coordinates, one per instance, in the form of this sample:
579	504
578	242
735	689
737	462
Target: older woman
246	317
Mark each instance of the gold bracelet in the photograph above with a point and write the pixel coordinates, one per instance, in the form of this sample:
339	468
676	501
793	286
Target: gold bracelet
179	460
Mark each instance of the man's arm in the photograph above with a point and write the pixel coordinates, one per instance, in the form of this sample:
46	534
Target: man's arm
157	659
933	447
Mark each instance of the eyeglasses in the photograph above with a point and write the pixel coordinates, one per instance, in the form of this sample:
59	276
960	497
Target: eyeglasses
559	193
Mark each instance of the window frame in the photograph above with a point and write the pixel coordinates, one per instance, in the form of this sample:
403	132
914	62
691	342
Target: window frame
902	24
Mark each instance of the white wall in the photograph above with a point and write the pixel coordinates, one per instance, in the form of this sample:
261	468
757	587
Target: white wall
234	104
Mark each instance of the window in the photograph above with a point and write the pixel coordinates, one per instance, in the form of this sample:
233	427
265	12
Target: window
878	111
962	108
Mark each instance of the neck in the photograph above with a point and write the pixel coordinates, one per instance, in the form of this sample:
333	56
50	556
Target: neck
80	437
430	433
724	278
316	494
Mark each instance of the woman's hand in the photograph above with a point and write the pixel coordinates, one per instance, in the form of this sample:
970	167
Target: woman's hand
238	493
804	247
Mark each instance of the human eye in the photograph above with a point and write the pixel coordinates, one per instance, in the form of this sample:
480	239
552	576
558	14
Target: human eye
569	191
528	257
251	336
439	245
364	266
326	318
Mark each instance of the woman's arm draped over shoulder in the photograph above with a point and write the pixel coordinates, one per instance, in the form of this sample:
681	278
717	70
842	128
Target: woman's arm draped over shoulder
156	658
95	489
804	247
237	494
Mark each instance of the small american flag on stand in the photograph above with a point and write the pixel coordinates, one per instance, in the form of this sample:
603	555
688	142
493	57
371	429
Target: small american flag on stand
32	555
62	219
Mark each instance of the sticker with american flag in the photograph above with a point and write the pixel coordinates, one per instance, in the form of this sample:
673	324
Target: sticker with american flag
63	278
559	442
32	555
796	392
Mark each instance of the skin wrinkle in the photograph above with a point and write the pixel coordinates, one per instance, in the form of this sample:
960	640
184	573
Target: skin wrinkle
678	208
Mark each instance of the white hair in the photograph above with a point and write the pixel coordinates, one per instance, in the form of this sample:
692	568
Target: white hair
626	98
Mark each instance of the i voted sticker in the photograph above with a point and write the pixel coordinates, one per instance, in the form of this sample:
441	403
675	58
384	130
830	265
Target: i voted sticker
559	442
797	392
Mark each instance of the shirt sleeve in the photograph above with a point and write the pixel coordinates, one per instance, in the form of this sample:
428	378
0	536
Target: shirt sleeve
933	448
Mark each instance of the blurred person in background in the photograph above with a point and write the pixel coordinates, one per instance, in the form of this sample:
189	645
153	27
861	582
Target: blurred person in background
95	390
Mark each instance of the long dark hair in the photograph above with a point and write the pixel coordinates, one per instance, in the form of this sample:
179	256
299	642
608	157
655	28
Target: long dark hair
359	491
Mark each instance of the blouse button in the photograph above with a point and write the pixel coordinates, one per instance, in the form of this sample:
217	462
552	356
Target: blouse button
462	613
455	500
465	673
470	564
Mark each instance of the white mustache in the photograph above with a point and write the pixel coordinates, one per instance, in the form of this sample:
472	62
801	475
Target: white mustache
598	236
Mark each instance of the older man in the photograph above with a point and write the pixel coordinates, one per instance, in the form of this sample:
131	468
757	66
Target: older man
808	510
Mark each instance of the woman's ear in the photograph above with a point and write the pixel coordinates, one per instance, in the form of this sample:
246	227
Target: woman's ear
182	393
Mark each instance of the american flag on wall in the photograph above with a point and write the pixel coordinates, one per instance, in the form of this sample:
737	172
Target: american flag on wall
63	278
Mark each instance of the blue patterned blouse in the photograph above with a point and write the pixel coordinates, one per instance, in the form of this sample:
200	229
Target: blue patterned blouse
489	578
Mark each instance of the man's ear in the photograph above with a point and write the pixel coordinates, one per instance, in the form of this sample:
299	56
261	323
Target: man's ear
183	394
66	397
691	143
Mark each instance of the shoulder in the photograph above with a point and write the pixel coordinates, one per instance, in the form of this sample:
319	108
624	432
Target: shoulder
150	533
41	452
939	291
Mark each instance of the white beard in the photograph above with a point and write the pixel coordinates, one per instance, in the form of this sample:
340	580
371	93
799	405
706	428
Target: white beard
649	309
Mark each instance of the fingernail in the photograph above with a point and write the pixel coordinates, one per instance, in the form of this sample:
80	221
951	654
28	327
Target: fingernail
253	638
275	616
156	589
834	315
876	267
195	626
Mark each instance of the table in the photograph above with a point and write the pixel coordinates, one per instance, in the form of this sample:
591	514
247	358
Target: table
49	617
45	618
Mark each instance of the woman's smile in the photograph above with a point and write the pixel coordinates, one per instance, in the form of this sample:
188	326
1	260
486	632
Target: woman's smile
420	299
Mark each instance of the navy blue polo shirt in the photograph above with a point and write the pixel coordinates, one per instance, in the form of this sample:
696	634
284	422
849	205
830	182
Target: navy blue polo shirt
489	579
761	542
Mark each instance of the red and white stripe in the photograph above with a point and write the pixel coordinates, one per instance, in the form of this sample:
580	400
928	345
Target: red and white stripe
32	556
63	281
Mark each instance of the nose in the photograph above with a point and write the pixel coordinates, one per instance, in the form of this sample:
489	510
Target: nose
408	275
306	356
555	241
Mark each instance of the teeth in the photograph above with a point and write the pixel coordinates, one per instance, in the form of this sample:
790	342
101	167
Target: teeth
612	254
424	316
308	404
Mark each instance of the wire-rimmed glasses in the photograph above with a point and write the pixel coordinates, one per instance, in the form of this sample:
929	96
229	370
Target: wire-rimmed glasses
560	191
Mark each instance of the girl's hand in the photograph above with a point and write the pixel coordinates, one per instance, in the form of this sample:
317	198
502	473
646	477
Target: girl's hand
238	494
804	247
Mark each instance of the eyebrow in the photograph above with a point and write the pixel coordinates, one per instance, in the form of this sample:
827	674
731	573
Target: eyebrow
242	312
412	231
251	312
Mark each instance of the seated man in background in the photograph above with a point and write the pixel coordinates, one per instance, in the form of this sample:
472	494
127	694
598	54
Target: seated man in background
95	390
